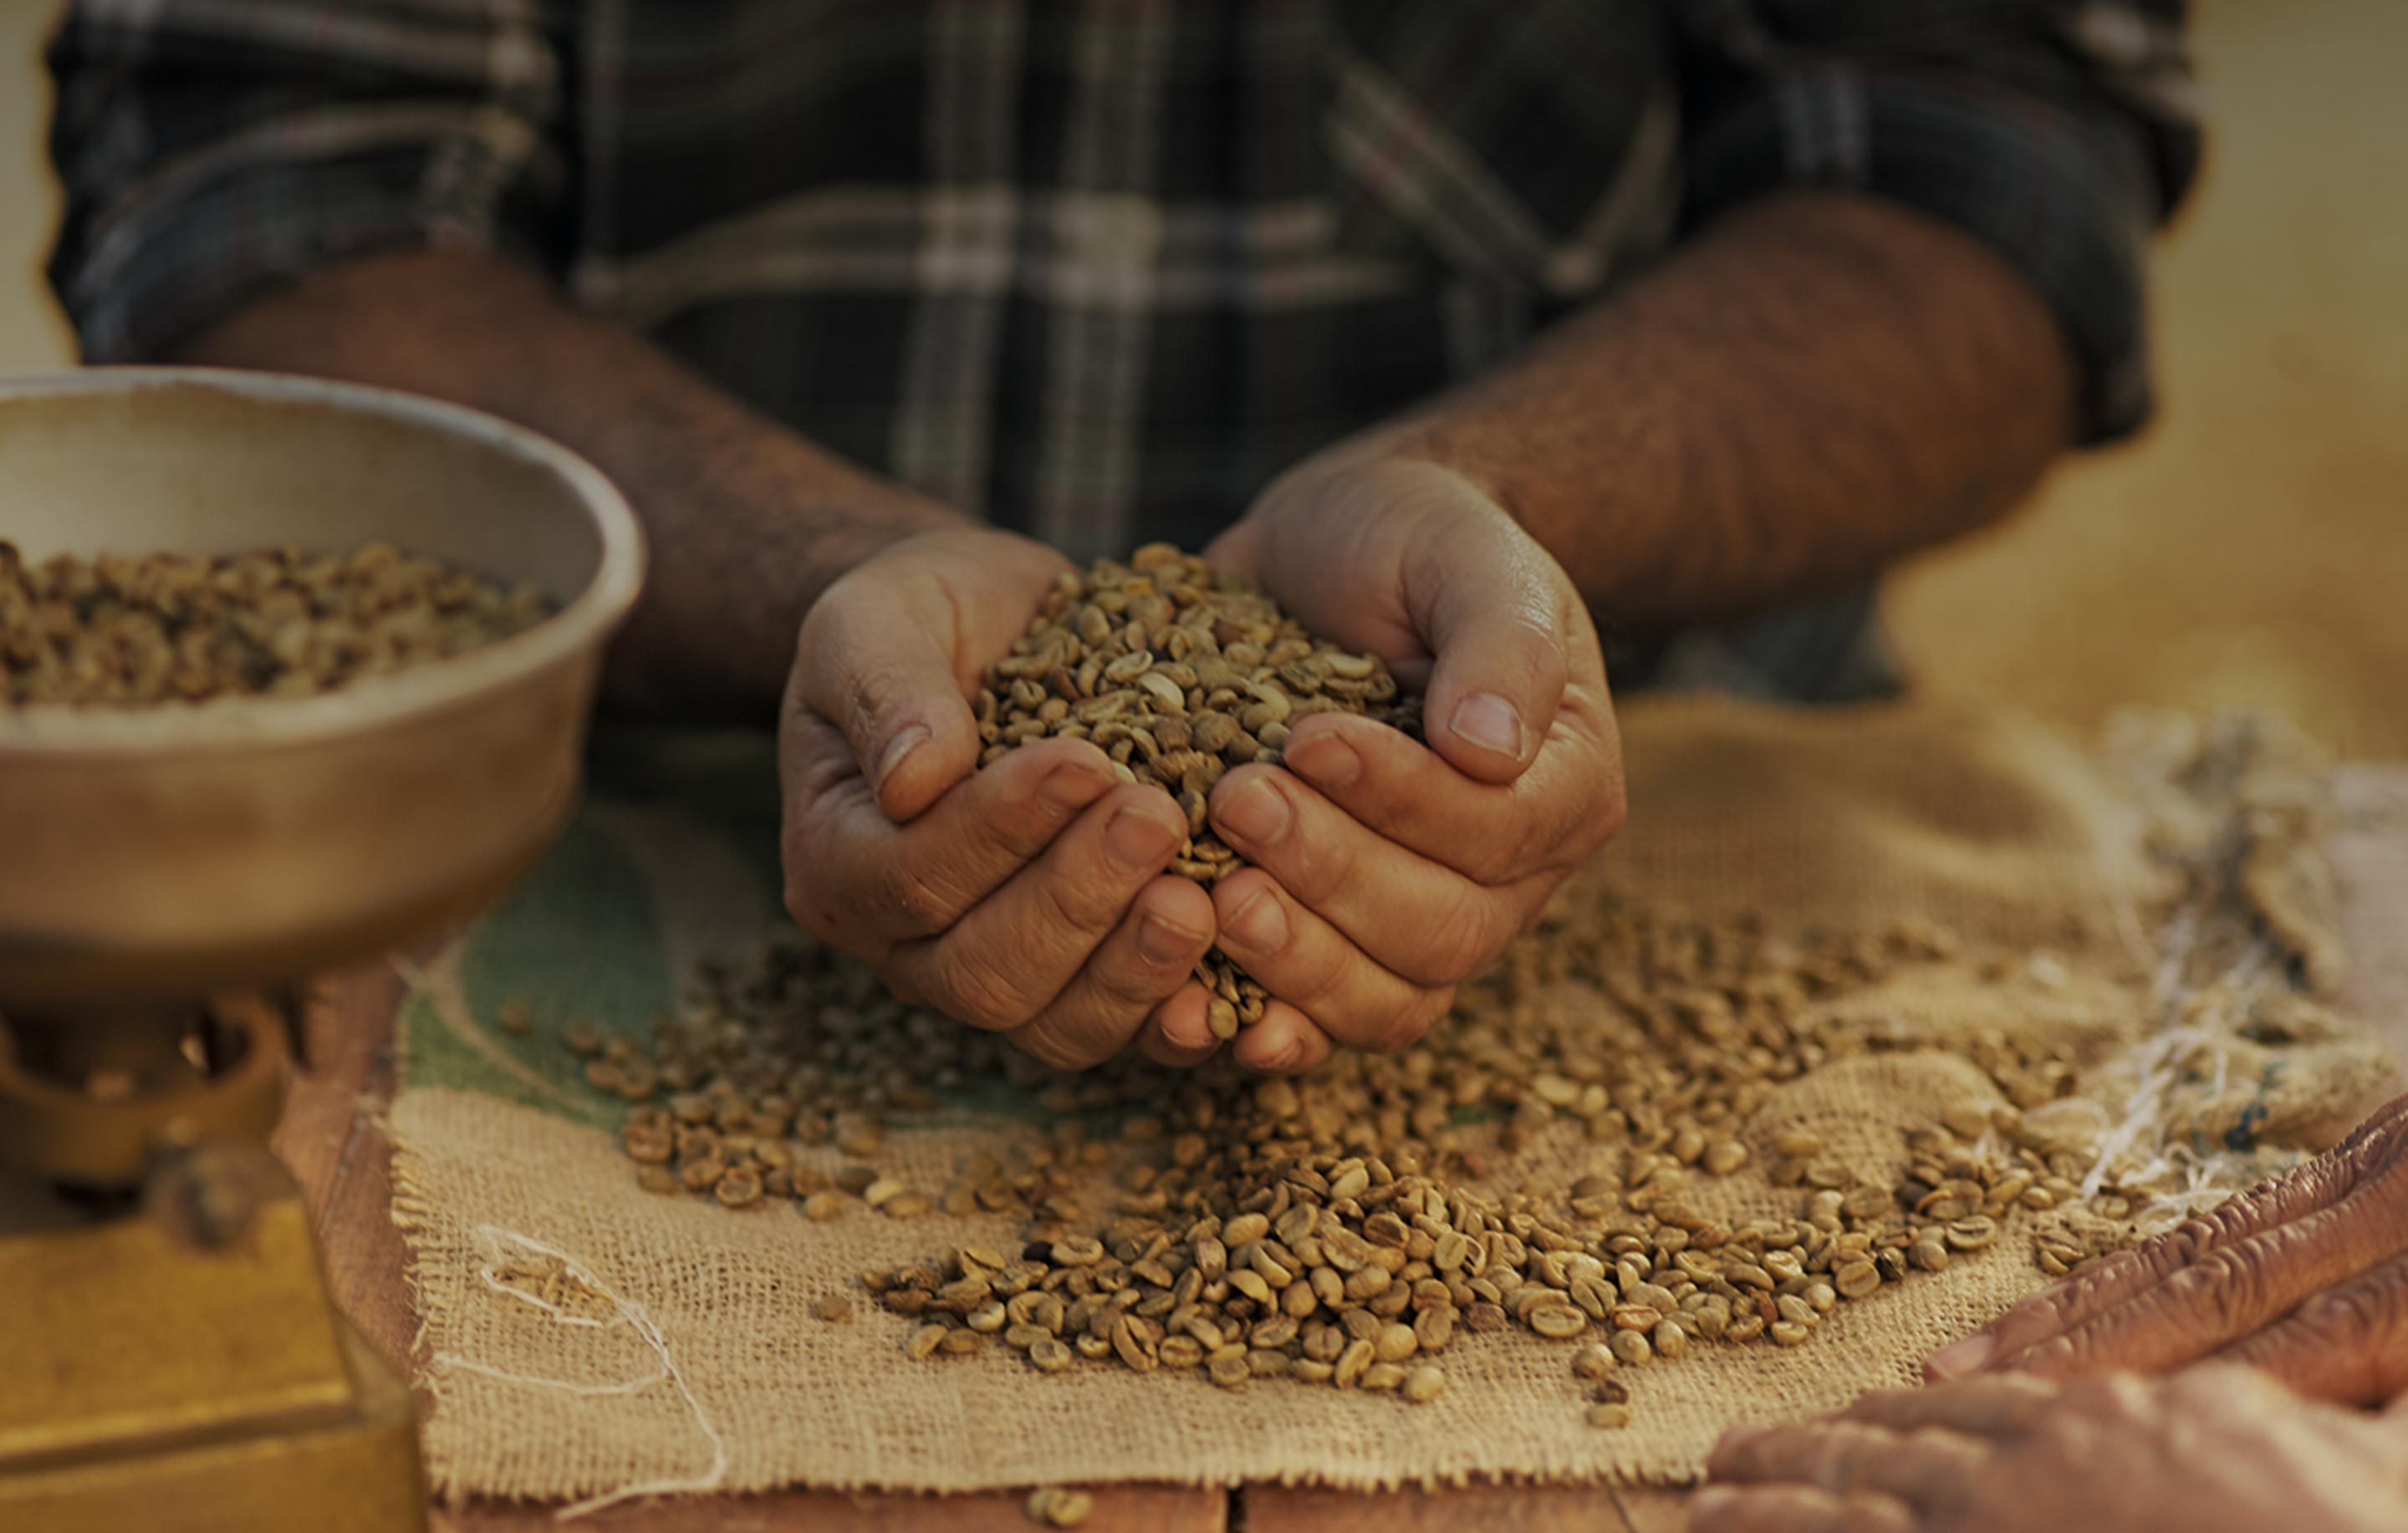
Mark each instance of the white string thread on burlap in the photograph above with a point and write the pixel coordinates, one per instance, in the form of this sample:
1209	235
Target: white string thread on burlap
495	1243
2133	1146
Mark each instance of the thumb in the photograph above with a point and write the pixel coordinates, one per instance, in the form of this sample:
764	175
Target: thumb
877	662
1492	606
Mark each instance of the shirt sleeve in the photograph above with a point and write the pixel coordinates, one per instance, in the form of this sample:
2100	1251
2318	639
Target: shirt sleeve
2059	133
211	150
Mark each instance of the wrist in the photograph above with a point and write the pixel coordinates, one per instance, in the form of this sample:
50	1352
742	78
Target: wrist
750	537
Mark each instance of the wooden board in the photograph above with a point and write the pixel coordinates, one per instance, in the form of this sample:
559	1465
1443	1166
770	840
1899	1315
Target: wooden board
333	1139
1126	1509
1525	1508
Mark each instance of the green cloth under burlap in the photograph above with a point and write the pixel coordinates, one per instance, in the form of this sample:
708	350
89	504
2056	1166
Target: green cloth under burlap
682	1352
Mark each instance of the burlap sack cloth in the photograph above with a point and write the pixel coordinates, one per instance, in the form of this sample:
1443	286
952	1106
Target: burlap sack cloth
684	1353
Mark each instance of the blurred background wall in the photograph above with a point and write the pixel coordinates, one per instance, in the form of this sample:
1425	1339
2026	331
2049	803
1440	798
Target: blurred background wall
2253	550
32	335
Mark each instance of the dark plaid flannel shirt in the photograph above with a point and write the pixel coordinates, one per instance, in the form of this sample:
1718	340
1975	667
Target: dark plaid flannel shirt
1099	271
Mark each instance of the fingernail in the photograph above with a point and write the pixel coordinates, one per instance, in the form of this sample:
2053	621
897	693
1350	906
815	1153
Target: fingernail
1282	1059
1068	789
1259	924
1161	942
1325	762
1959	1358
1194	1033
1708	1500
1741	1435
1488	722
906	739
1138	841
1255	811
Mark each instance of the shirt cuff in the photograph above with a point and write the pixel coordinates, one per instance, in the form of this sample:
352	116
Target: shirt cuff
2027	179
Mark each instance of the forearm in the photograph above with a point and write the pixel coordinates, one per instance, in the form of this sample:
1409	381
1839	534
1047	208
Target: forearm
747	522
1812	388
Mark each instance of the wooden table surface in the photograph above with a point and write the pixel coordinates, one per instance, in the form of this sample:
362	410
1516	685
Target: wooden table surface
331	1139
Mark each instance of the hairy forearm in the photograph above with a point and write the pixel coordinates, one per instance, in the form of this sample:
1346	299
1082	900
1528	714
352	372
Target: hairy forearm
747	522
1812	388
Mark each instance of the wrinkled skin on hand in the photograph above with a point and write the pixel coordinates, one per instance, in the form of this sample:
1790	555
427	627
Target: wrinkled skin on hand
2213	1449
2305	1276
1030	898
1386	871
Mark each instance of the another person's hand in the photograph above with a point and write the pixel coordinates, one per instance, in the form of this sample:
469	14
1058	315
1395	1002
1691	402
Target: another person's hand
1027	899
1387	871
2210	1450
2305	1276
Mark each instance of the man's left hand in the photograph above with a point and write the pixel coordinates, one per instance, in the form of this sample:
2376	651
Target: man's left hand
1386	871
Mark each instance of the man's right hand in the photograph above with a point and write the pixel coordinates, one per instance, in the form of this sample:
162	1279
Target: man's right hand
1029	898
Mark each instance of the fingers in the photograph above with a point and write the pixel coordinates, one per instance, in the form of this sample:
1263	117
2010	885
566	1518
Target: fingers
1794	1508
1004	962
858	881
1565	805
2107	1287
1496	611
1423	921
1303	960
1926	1467
2006	1405
1145	961
1238	550
2233	1287
1281	1042
875	658
2347	1345
1178	1034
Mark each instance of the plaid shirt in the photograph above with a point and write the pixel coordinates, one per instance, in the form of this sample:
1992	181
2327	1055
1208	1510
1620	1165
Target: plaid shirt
1099	271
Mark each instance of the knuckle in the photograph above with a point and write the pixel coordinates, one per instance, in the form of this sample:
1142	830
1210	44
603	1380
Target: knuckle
2349	1317
1405	1026
1065	903
1550	836
2116	1398
2194	1236
979	992
1474	929
1496	861
1932	1440
1874	1404
2056	1357
2229	1284
2076	1295
1328	973
866	691
919	903
1015	818
1330	866
1054	1048
1873	1512
1128	986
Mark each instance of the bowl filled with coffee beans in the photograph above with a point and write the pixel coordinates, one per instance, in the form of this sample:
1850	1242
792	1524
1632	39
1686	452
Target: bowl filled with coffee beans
290	671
